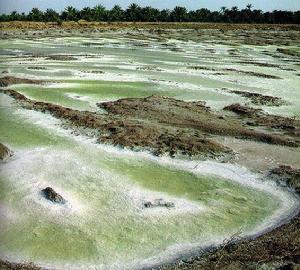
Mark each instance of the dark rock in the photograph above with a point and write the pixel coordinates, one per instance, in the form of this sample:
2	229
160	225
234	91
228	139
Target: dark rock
5	152
159	203
37	68
53	196
288	266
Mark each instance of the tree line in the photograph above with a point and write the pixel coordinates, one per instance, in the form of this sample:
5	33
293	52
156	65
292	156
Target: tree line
136	13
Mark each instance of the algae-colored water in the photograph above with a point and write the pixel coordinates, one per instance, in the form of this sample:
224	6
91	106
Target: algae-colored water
104	222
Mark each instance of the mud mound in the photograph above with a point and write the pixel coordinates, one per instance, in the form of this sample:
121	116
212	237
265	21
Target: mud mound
258	117
9	80
158	124
259	99
242	110
287	174
5	152
160	139
187	115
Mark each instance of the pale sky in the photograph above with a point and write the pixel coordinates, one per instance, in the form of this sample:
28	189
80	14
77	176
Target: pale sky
7	6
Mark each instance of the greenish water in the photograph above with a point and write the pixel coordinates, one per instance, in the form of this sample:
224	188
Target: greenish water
104	222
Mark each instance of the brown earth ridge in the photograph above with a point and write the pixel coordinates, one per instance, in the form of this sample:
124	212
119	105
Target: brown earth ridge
166	125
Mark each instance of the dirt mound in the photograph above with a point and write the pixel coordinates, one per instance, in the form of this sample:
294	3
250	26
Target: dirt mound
188	115
129	132
159	138
53	196
242	110
259	99
5	152
9	80
287	174
158	124
257	117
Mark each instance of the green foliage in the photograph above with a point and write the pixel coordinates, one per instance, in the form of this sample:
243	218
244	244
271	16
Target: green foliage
36	15
135	13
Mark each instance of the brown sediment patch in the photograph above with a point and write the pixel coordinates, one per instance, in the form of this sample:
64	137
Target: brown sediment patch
287	174
7	265
61	57
259	99
252	73
9	80
260	64
258	117
222	70
188	115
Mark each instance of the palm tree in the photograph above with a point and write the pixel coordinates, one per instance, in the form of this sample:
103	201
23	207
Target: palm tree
116	13
70	13
164	15
51	15
133	13
100	13
86	14
36	15
179	14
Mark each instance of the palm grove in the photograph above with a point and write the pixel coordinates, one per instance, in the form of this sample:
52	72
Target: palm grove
135	13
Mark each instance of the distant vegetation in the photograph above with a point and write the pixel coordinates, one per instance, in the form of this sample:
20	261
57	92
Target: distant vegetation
135	13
